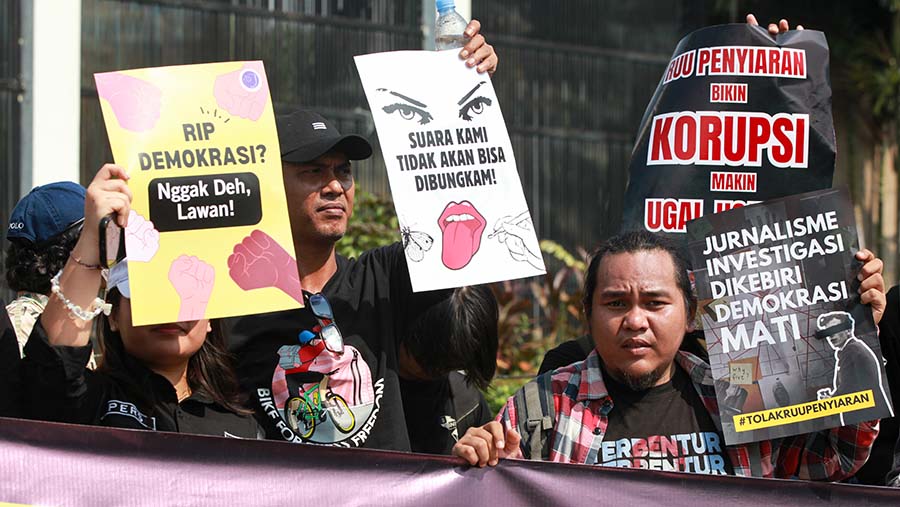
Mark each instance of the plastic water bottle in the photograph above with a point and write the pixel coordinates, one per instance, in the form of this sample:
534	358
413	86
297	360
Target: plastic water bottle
449	28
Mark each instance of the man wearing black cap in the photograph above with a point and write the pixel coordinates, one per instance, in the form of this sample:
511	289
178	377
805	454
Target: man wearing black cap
339	389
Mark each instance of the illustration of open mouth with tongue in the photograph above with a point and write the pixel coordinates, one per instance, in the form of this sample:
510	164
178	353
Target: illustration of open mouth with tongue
462	226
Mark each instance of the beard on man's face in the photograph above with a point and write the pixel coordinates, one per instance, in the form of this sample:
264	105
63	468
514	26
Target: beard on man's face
637	383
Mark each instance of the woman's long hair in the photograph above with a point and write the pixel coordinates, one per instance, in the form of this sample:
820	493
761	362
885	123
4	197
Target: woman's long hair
209	371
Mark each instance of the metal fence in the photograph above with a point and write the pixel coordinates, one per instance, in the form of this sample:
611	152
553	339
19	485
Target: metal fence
10	91
574	78
307	47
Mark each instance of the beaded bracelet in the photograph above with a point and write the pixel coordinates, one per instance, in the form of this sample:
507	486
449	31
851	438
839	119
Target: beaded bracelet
97	306
82	263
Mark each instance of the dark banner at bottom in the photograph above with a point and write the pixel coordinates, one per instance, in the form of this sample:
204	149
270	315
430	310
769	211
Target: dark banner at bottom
60	464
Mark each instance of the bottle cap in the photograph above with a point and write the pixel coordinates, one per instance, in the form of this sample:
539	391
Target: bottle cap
445	5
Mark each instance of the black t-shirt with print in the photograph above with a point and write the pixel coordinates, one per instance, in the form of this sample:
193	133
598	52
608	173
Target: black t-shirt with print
359	405
663	428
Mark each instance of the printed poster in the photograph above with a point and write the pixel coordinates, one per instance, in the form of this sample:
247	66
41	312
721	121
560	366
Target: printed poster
209	234
737	118
791	347
463	215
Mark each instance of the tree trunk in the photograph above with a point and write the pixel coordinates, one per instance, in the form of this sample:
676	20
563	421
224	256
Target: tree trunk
889	207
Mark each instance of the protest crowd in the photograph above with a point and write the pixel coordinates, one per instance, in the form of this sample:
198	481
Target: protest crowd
392	368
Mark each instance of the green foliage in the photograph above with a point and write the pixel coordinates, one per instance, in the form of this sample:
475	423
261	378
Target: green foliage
561	254
500	391
876	73
374	224
874	70
535	316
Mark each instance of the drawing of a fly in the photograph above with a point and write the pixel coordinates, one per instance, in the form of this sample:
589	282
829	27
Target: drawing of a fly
415	243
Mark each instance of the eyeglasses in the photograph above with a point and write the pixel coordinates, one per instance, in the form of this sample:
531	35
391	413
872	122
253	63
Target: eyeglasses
112	242
330	333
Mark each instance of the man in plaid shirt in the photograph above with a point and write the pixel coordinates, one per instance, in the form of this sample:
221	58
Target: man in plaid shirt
639	305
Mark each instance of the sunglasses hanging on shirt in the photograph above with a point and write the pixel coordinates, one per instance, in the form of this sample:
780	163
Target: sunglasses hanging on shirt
330	333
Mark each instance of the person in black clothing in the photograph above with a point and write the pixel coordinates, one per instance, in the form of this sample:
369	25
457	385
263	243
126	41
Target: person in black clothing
43	228
167	377
10	357
371	299
440	403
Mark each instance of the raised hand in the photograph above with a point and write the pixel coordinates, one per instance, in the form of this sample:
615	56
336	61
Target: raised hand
193	280
243	92
141	238
259	262
774	29
477	51
871	288
80	280
135	102
108	193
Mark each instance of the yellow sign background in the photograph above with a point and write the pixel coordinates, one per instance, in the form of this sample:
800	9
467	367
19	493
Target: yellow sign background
804	411
190	95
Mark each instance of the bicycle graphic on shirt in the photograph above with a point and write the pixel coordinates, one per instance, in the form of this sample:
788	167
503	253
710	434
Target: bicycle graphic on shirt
315	405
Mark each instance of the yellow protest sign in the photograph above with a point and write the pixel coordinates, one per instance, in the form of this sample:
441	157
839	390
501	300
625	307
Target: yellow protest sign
209	234
804	411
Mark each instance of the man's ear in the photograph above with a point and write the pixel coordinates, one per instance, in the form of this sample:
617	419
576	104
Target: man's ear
208	327
689	327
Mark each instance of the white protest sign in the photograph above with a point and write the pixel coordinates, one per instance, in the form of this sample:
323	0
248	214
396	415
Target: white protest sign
463	215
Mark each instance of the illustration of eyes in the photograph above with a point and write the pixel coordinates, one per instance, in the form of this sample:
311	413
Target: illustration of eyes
474	107
408	112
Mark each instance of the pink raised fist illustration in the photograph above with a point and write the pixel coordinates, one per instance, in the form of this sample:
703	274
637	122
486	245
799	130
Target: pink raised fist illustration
193	280
243	92
259	262
141	238
135	102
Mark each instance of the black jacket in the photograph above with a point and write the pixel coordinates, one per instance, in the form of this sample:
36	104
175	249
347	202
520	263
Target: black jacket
57	387
884	454
439	412
10	402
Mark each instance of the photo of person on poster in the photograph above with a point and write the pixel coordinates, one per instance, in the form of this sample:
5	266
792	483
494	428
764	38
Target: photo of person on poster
856	366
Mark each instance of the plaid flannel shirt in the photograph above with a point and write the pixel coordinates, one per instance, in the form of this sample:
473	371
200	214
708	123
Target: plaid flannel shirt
582	406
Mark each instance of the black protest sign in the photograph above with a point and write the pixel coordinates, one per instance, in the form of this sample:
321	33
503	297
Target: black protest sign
204	202
792	348
737	118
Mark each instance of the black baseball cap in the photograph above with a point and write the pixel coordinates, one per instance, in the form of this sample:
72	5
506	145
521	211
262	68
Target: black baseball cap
305	136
